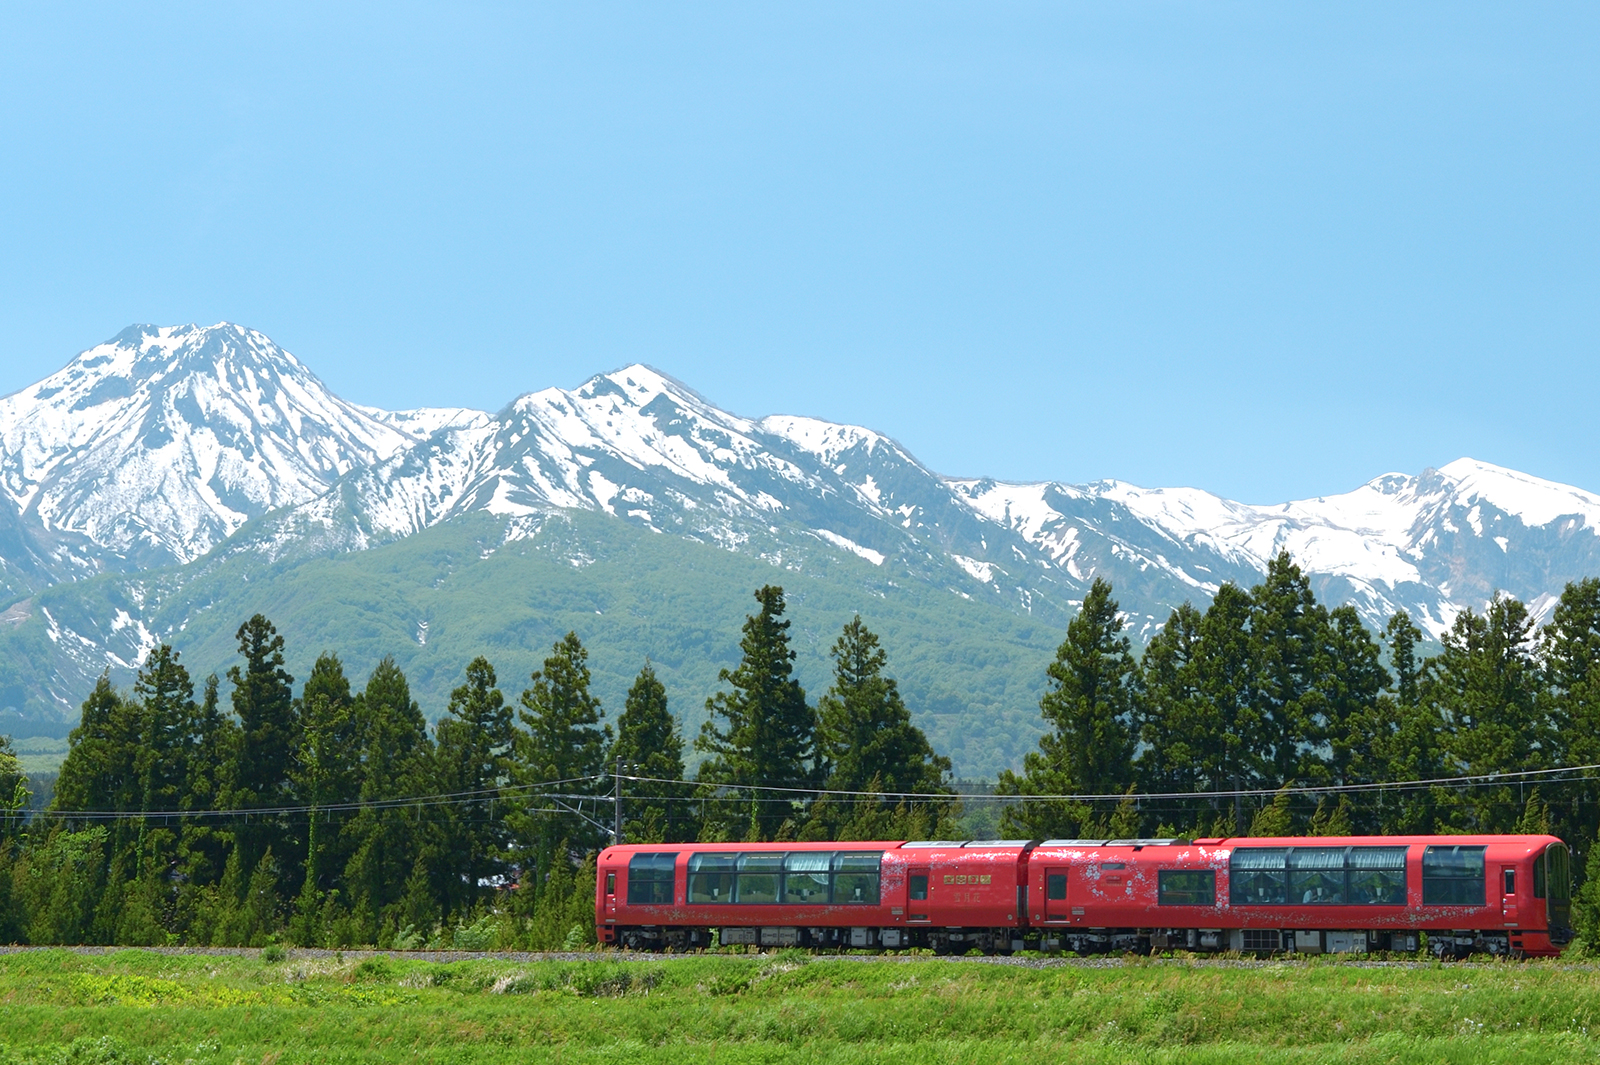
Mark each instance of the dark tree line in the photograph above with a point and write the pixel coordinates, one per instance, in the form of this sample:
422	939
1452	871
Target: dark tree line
333	816
1268	689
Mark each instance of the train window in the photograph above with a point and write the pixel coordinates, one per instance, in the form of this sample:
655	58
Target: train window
650	879
1055	886
1452	876
1377	876
1539	877
1560	875
758	878
855	878
711	877
1113	866
918	888
1186	887
1316	875
805	877
611	883
1511	882
1258	876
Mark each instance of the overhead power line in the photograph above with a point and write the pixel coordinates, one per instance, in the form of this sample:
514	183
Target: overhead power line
709	790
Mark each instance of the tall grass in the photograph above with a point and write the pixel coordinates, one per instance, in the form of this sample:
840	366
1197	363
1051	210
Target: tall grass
139	1007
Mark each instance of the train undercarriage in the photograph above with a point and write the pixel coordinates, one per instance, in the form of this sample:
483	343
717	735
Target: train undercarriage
1080	941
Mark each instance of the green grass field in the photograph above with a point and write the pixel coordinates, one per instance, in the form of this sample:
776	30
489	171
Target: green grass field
139	1006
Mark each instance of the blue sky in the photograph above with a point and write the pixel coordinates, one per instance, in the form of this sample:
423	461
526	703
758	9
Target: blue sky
1269	250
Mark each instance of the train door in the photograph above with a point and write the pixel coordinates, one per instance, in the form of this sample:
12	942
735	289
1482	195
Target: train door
1509	911
1055	894
918	889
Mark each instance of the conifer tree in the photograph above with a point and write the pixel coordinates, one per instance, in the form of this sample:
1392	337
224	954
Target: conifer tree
1331	818
204	843
1350	678
14	797
99	771
1287	638
14	800
1397	739
326	771
1175	723
1088	748
1570	701
385	840
1229	724
866	741
263	700
762	733
1484	685
656	810
473	755
562	744
1274	819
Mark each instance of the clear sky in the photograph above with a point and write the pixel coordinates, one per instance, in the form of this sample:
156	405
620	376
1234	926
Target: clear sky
1270	250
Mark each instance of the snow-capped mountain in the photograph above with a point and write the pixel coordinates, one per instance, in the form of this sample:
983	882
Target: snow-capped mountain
155	446
208	464
640	446
1431	544
644	448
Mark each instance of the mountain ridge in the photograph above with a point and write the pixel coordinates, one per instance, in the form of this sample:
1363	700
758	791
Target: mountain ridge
181	457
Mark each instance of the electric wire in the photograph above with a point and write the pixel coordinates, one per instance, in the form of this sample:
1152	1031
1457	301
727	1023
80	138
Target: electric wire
712	791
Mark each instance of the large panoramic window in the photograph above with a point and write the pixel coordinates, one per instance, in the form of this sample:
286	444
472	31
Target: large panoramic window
1258	876
798	878
805	877
650	879
1452	876
1377	876
758	878
711	877
855	877
1317	876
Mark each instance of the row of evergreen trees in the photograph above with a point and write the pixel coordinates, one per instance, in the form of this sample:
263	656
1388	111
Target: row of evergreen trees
333	817
1267	688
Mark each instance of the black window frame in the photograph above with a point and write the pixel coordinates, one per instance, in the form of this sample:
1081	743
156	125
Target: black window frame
711	878
847	878
1265	870
1318	876
1455	875
652	878
856	878
1186	887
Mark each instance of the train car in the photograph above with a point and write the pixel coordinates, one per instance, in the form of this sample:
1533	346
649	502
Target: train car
943	895
1467	894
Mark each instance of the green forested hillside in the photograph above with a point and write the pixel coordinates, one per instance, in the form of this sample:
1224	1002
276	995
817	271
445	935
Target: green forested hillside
972	672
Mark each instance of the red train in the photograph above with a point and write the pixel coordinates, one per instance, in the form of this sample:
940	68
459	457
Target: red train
1469	894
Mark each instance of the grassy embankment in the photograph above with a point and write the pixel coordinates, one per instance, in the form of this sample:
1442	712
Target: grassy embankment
137	1007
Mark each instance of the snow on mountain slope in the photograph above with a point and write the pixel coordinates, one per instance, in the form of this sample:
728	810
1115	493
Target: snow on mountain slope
1532	500
633	443
1397	542
158	444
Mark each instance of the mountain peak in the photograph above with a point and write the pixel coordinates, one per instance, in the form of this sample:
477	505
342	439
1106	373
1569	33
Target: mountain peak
1534	500
162	441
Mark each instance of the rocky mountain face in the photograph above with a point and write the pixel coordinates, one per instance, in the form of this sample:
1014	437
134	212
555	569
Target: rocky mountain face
152	448
176	453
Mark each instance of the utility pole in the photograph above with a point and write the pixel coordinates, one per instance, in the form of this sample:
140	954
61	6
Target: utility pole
616	828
